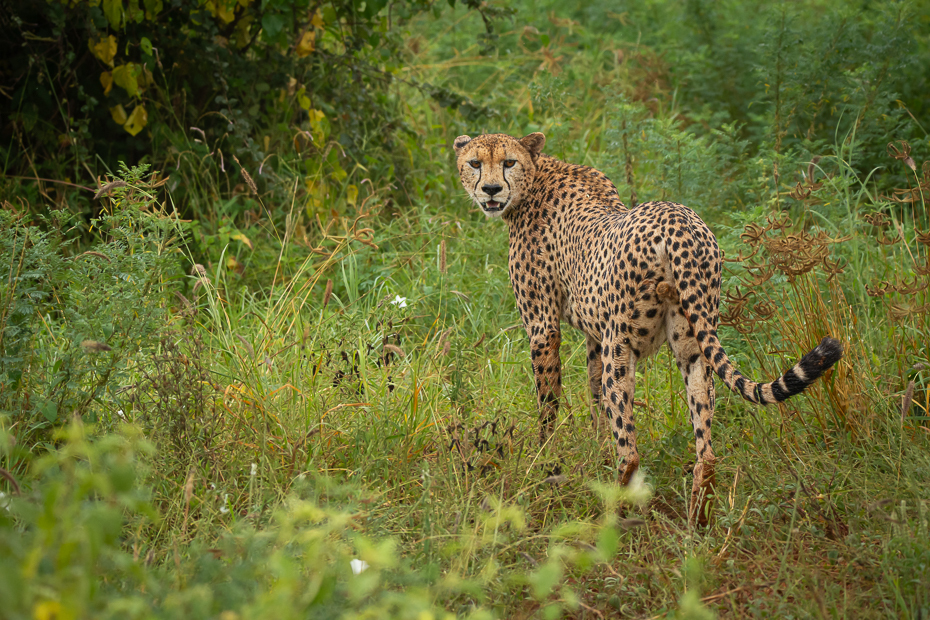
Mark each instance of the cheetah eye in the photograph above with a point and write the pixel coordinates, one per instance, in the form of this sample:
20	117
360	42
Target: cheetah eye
475	164
510	163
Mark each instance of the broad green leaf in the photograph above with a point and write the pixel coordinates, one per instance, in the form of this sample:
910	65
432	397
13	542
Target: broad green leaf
145	45
135	13
272	24
136	120
373	7
329	14
125	77
104	49
49	410
113	9
152	8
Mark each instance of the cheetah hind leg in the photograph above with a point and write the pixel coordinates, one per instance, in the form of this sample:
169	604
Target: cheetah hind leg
698	376
595	369
701	410
617	385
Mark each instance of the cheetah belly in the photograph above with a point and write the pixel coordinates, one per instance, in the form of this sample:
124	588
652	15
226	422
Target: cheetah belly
569	314
635	307
648	334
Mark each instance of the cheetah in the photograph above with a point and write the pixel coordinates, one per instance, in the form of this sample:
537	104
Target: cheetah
630	279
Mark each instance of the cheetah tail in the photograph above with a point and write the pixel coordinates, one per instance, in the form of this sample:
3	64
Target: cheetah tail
792	382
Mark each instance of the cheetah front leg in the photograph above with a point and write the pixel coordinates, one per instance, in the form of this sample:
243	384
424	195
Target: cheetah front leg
545	341
617	385
595	369
699	384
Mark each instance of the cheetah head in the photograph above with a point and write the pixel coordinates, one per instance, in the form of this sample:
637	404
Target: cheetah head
497	170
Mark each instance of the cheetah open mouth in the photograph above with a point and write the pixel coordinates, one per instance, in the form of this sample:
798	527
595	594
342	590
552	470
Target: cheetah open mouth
492	206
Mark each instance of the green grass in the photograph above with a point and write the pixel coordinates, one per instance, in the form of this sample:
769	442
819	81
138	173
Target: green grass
272	431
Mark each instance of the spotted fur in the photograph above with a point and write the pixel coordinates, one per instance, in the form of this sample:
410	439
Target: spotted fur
630	279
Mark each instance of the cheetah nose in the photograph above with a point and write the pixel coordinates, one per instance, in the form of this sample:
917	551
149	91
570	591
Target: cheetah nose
491	190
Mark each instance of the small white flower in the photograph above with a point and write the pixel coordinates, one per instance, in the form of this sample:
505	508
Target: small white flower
400	302
120	413
5	504
358	566
254	470
224	509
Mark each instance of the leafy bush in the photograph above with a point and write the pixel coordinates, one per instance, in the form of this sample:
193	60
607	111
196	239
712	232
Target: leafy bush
70	547
74	324
178	82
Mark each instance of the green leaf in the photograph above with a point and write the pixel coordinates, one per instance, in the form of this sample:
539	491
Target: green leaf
113	9
153	8
135	13
272	23
124	77
373	7
146	46
49	410
329	14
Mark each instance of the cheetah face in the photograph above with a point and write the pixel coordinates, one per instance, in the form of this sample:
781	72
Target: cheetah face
497	170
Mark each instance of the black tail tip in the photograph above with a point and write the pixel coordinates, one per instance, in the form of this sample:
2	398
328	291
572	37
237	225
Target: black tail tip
827	353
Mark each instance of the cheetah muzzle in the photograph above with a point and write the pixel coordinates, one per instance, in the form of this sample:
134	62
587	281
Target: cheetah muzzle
629	279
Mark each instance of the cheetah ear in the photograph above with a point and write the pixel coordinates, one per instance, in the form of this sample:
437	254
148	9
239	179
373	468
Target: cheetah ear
534	143
460	143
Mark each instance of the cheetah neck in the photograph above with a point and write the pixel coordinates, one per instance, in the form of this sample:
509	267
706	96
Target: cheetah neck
563	189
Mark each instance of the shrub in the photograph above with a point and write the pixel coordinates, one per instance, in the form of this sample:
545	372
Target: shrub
74	324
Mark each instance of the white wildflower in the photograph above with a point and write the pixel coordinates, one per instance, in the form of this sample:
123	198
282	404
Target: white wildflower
358	566
400	302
